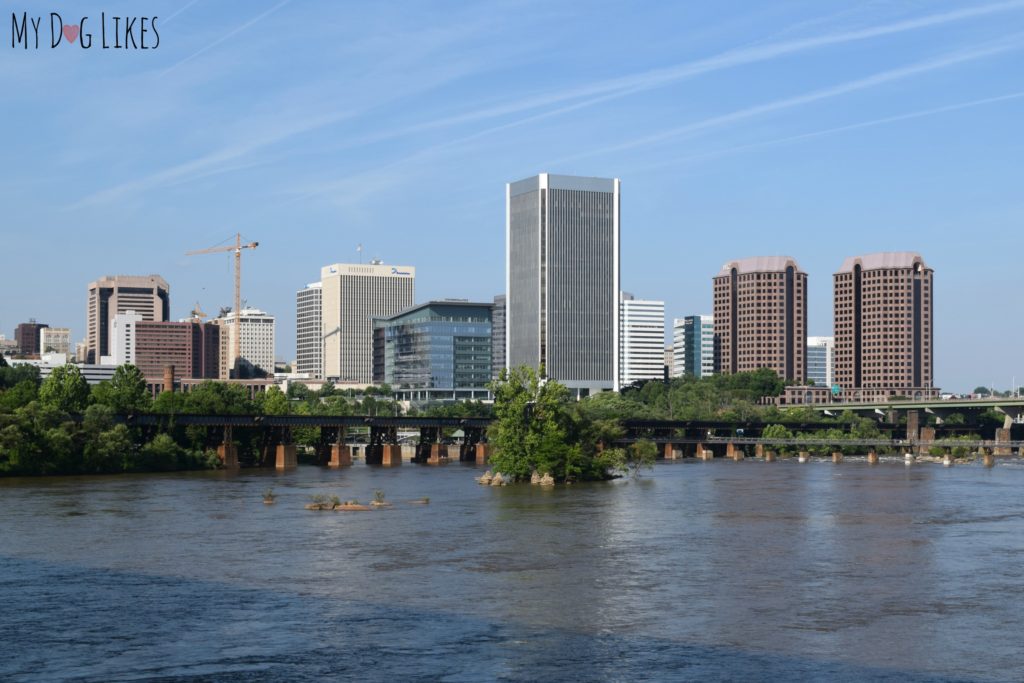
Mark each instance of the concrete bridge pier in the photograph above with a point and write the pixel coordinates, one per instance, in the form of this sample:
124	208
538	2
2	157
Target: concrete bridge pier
837	456
913	426
227	451
483	453
759	451
734	452
925	441
437	454
286	456
341	456
769	456
872	457
391	455
704	453
804	456
987	459
1002	436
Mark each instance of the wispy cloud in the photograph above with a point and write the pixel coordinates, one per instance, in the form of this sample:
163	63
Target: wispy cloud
920	68
178	11
896	118
604	90
227	36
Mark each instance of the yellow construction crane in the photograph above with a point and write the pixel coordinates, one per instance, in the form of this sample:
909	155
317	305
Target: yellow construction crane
237	247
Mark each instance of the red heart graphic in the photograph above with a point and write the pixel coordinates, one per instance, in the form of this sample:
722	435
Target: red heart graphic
71	33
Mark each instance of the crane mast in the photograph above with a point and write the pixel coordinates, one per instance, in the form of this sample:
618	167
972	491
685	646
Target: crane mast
237	247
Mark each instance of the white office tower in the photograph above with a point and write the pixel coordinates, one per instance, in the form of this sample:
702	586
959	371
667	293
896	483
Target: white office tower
821	360
354	294
693	346
256	345
122	336
309	341
562	279
642	347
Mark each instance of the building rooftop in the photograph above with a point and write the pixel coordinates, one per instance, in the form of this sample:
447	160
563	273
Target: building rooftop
881	260
759	264
444	303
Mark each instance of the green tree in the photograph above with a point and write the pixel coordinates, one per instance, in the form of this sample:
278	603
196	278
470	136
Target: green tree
642	454
218	398
125	392
160	454
65	389
273	402
21	394
513	392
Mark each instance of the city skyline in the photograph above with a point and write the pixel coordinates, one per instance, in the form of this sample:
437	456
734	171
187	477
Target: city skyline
821	134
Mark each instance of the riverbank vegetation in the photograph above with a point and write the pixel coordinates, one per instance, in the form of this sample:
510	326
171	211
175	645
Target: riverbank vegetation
65	426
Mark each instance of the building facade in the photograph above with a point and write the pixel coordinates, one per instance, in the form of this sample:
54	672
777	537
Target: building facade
27	337
821	361
883	327
256	345
309	341
562	279
642	345
437	351
498	335
122	339
55	340
193	348
760	316
353	295
693	346
147	295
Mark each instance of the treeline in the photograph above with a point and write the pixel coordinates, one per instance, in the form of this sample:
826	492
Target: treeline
65	426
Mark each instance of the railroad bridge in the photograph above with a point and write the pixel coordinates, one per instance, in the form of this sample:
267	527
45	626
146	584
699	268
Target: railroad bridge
677	438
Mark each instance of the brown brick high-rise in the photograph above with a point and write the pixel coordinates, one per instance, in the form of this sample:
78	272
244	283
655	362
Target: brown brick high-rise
147	295
883	327
761	316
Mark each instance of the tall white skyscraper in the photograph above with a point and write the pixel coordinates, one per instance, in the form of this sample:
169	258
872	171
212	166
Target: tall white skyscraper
693	346
309	341
354	294
562	279
821	360
122	339
643	339
256	346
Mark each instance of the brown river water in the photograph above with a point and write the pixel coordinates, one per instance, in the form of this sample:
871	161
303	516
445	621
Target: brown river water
696	571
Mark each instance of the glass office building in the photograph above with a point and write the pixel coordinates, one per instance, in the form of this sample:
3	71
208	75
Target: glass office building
437	351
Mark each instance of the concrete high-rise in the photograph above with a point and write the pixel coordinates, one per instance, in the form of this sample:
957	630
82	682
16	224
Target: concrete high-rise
642	347
147	295
562	279
883	327
760	310
354	294
309	322
55	340
821	361
693	346
256	344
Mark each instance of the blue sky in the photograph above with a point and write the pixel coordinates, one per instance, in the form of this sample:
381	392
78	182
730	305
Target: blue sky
814	129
